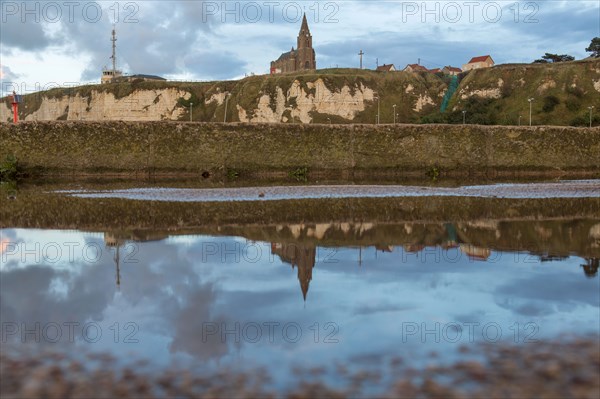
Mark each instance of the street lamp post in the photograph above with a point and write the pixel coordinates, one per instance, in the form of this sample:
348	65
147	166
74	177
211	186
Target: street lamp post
191	109
464	116
530	104
394	114
591	108
226	101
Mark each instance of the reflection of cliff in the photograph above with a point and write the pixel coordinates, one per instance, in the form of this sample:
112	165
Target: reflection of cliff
475	253
546	238
299	255
112	238
550	240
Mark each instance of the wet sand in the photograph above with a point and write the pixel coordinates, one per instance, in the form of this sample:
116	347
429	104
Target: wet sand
568	368
565	189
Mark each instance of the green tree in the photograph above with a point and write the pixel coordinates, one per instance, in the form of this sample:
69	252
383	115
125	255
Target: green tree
594	47
548	57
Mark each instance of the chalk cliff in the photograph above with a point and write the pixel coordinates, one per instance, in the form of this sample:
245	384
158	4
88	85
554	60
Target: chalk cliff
563	92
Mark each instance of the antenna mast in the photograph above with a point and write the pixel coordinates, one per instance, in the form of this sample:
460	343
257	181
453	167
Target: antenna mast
114	50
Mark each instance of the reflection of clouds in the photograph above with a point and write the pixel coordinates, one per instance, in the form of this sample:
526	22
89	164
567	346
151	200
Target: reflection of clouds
381	308
504	291
552	287
57	248
22	292
527	307
162	291
171	291
546	294
27	294
475	315
167	284
191	332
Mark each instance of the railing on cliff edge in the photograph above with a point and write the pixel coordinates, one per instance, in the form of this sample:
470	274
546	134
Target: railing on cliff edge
449	93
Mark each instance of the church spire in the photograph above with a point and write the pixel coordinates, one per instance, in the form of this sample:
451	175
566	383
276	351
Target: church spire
304	37
304	27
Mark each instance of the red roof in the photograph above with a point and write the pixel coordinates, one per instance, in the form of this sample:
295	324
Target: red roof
417	67
482	58
385	68
453	69
436	70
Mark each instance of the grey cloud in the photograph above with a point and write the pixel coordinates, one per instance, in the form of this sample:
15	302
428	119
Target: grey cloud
156	35
470	317
176	37
7	74
389	48
27	35
216	65
557	30
168	38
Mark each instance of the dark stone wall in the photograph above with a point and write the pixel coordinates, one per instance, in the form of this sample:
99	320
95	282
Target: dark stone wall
101	147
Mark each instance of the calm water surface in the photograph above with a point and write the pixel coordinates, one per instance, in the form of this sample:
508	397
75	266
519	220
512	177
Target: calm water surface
311	293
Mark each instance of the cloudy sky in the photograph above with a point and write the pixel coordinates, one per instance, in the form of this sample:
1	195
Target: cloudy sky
49	43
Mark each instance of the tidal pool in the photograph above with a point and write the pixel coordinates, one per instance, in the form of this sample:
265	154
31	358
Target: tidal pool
355	284
563	189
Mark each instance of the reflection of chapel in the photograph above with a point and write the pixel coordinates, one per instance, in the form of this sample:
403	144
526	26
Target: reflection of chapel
303	58
298	255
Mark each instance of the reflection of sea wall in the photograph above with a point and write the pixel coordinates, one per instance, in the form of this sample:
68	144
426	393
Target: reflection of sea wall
546	226
154	147
37	206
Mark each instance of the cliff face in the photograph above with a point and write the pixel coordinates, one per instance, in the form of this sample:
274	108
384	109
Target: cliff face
338	96
563	92
298	104
141	105
5	111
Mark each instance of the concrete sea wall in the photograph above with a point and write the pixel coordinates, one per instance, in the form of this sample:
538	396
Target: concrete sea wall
164	147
